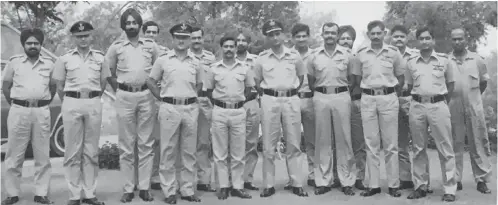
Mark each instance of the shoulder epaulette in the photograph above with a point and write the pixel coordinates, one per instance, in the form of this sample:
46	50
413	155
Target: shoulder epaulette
413	57
206	52
444	55
394	48
119	41
47	58
15	56
265	52
98	51
148	40
251	56
361	49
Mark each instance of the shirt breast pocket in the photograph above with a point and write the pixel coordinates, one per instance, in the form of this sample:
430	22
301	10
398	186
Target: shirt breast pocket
341	65
121	64
438	77
44	75
95	68
71	72
220	80
191	75
473	81
387	66
147	58
416	79
290	70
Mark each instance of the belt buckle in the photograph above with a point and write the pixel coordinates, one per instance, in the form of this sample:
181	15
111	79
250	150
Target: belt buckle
378	91
281	93
33	103
85	93
135	88
230	106
425	99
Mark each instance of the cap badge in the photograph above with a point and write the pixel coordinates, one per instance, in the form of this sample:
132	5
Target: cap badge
81	28
272	23
184	27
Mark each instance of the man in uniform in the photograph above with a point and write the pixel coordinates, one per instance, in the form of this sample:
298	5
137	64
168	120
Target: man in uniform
430	81
130	62
328	69
467	112
399	38
378	69
347	36
28	89
300	34
279	73
204	148
181	78
81	78
227	81
151	30
253	114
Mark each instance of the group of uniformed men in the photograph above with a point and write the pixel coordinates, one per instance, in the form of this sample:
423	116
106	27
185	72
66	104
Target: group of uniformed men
179	110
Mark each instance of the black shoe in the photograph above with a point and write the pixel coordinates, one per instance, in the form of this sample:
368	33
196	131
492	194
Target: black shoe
481	187
406	185
223	193
311	183
205	187
127	197
156	186
72	202
249	186
267	192
42	200
321	190
299	191
417	194
92	201
191	198
10	200
459	186
394	192
170	199
429	189
240	193
336	184
370	192
135	188
288	187
448	197
145	195
359	185
348	191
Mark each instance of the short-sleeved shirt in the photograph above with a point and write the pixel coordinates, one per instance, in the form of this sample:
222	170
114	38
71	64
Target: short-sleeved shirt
249	60
305	87
469	73
206	58
178	77
133	64
430	78
229	82
29	81
330	69
409	52
379	69
81	72
279	72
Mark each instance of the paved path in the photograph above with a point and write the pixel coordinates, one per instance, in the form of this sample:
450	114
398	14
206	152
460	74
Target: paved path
109	189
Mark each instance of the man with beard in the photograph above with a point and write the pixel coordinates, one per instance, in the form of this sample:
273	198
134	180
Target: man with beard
430	80
399	39
178	114
28	89
329	68
467	112
347	36
130	62
279	73
253	114
204	148
379	70
300	34
229	83
81	78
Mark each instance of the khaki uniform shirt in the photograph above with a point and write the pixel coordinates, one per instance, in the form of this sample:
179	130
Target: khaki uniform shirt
279	72
30	81
229	82
249	60
305	87
81	72
330	69
430	78
409	52
469	73
206	58
178	77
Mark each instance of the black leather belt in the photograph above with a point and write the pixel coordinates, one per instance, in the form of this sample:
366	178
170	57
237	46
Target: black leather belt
179	101
31	103
305	95
76	94
251	97
405	93
133	89
202	93
355	97
326	90
276	93
379	91
228	105
433	99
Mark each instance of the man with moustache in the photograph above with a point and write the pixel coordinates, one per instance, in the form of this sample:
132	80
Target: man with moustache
279	73
431	80
228	82
379	71
253	114
347	36
328	69
28	89
204	147
181	76
467	112
130	62
81	78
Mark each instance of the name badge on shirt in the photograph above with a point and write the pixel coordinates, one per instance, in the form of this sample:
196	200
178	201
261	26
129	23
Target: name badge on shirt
438	67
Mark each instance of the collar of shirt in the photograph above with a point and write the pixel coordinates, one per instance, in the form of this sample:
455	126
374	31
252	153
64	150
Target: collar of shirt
285	51
384	48
433	56
409	51
173	54
127	41
247	57
338	48
221	63
310	50
468	55
24	58
75	50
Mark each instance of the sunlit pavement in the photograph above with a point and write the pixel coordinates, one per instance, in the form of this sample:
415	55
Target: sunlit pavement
110	189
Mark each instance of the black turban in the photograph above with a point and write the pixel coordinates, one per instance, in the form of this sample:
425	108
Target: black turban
35	32
130	12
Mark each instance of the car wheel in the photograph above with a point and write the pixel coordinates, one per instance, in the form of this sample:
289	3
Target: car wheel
57	141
